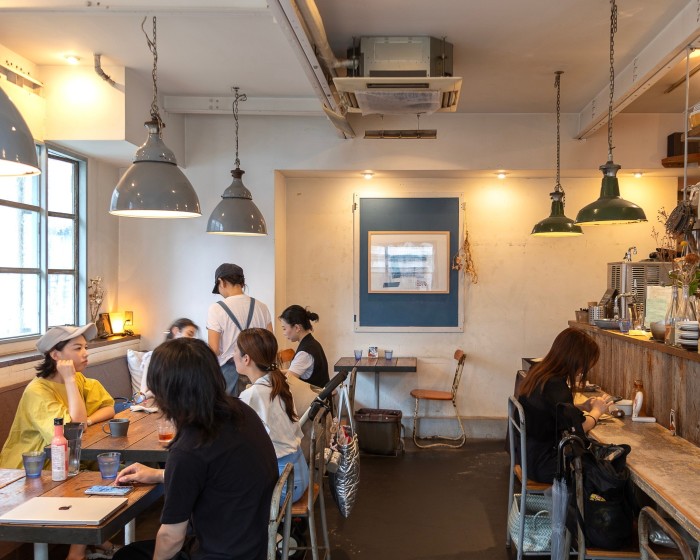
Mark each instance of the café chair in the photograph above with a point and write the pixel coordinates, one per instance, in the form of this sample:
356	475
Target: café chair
647	518
285	357
280	513
305	507
517	436
445	396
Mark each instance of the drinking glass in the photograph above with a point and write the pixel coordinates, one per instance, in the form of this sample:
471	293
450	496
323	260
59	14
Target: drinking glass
358	355
33	463
166	431
109	464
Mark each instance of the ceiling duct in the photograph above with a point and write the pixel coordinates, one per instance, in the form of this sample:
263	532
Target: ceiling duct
400	75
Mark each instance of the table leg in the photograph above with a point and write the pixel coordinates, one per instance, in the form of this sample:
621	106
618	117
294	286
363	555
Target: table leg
41	551
130	532
376	386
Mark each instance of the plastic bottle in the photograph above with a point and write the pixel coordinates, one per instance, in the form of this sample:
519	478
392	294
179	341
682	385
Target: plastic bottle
671	318
59	452
638	399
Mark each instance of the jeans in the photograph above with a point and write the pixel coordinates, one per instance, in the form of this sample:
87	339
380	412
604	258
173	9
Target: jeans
301	473
231	377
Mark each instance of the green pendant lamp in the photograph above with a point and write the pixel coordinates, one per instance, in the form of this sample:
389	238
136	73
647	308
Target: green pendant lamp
237	214
610	208
557	224
154	186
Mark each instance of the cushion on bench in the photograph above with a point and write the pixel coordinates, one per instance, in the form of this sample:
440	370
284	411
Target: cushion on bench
114	376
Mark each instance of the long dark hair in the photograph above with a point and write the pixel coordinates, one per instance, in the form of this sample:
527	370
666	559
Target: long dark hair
261	346
186	381
573	352
297	315
48	365
180	324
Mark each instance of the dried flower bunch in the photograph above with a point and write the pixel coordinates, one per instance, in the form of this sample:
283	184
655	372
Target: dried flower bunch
666	244
685	271
96	295
464	260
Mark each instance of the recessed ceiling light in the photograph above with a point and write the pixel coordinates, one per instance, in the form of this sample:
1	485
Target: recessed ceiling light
501	174
638	174
367	175
72	59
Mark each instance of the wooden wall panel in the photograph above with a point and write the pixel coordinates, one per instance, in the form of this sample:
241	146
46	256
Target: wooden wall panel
671	376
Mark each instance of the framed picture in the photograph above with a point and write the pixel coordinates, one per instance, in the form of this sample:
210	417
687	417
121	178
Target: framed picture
104	325
372	352
406	262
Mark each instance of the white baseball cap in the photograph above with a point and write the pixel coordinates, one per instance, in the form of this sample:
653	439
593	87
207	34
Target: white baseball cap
65	332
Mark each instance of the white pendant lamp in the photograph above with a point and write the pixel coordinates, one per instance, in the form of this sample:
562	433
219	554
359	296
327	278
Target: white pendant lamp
237	214
17	149
154	186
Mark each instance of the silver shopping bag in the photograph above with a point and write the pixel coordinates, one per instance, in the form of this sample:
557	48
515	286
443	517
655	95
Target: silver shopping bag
344	483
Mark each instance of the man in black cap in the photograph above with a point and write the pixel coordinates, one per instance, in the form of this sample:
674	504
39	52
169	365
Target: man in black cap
227	318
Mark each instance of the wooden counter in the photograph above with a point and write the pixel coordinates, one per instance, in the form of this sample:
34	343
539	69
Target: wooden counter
671	376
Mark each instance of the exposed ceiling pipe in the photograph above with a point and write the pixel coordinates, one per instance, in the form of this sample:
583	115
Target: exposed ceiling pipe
101	73
312	19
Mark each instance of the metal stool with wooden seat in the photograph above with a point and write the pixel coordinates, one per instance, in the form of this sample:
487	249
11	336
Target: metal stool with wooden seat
517	431
280	513
645	517
305	506
445	396
285	357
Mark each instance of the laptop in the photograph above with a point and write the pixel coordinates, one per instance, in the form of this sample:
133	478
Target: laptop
64	511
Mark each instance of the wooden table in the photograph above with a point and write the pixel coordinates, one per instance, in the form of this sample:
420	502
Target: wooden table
666	467
377	366
139	444
19	491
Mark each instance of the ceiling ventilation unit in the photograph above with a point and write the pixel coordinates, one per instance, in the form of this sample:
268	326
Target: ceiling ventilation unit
400	75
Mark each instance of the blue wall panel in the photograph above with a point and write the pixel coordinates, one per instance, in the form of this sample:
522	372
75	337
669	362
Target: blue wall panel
409	310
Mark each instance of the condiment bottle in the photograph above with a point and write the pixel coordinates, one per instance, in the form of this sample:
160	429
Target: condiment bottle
59	452
638	399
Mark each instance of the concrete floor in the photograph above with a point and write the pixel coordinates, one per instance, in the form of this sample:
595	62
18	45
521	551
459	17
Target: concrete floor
425	504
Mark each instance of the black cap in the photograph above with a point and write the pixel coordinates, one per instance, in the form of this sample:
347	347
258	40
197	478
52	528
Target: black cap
225	270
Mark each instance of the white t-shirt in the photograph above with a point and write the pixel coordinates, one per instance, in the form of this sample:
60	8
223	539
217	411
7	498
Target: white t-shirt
302	365
219	321
285	434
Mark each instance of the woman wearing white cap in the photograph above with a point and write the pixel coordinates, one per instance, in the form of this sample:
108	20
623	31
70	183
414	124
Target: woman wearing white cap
59	390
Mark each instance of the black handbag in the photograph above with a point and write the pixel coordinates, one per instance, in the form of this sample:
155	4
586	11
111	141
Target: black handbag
609	506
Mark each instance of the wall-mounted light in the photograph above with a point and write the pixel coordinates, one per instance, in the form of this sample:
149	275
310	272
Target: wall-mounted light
72	59
368	175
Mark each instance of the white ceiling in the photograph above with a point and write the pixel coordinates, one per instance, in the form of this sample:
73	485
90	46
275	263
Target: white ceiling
506	50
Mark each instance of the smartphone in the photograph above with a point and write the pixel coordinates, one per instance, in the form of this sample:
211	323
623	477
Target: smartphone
109	490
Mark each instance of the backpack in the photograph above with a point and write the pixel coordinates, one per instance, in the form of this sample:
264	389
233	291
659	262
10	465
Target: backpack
609	505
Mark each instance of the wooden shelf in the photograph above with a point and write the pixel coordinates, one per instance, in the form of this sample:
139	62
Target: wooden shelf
693	134
677	161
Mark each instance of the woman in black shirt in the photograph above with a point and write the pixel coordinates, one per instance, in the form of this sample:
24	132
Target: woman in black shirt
547	398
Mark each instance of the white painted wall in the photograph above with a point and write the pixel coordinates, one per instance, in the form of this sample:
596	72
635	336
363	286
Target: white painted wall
528	288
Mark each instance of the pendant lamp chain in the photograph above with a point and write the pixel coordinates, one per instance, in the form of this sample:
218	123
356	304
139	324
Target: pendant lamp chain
153	47
613	30
236	98
557	84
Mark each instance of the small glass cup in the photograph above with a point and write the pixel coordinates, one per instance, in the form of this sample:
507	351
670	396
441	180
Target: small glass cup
388	354
109	464
33	463
625	325
166	431
358	355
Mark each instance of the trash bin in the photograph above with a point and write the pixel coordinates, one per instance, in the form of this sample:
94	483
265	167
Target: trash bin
379	431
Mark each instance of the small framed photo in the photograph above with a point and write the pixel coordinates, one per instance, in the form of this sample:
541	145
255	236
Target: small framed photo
373	352
104	325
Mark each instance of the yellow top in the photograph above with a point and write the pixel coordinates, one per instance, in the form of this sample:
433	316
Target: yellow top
41	402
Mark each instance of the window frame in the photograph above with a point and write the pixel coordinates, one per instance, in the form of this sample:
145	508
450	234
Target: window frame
79	217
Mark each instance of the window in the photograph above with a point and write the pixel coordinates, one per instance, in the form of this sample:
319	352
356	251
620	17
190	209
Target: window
42	264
